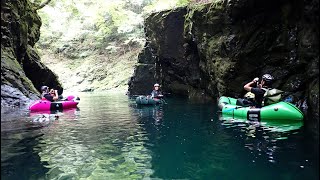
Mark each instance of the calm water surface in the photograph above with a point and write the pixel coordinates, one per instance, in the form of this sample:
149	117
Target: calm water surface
110	137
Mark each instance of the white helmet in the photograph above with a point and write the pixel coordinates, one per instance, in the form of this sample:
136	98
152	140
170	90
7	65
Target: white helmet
156	85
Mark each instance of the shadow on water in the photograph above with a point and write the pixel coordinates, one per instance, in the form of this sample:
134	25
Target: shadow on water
18	158
11	165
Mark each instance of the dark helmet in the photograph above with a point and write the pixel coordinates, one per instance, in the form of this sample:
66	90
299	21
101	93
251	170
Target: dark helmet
268	79
44	88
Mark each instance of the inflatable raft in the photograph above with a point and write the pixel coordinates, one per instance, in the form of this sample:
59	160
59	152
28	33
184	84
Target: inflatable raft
281	111
45	105
147	100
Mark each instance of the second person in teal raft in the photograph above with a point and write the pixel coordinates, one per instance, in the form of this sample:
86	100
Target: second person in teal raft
258	90
156	93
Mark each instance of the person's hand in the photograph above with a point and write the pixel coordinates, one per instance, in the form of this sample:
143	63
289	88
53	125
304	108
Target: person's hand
56	92
160	96
255	80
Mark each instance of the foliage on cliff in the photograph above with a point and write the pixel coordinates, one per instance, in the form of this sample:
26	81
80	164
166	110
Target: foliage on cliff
85	32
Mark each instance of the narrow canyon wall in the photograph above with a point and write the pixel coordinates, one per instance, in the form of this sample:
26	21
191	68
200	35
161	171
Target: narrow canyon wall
213	49
22	73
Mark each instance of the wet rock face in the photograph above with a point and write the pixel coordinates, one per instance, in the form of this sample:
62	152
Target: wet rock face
13	97
240	40
313	99
141	83
165	54
22	73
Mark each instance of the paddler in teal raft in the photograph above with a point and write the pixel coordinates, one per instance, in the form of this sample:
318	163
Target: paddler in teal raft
261	103
156	97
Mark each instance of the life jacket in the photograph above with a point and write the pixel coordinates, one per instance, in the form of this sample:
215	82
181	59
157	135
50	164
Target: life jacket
43	98
155	94
272	95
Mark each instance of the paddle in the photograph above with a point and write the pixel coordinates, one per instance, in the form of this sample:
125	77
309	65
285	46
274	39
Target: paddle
161	97
228	110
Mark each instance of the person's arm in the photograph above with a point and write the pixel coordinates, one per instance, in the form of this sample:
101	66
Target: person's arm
248	86
160	95
56	96
48	97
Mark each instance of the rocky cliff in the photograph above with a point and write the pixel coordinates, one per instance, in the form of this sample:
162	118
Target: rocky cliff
214	49
22	73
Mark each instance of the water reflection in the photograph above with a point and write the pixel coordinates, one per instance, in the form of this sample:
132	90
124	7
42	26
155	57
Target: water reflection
271	125
257	138
45	118
280	146
155	112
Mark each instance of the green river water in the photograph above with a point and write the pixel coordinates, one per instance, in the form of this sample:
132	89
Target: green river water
110	137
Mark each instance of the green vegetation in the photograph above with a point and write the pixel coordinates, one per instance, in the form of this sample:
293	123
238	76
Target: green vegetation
95	42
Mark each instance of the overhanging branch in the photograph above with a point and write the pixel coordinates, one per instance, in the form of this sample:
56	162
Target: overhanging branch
43	4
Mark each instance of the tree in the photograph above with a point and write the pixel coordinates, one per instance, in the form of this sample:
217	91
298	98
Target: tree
42	4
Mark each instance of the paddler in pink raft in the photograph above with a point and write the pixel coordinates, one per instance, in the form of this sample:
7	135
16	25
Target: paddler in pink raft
50	96
51	101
